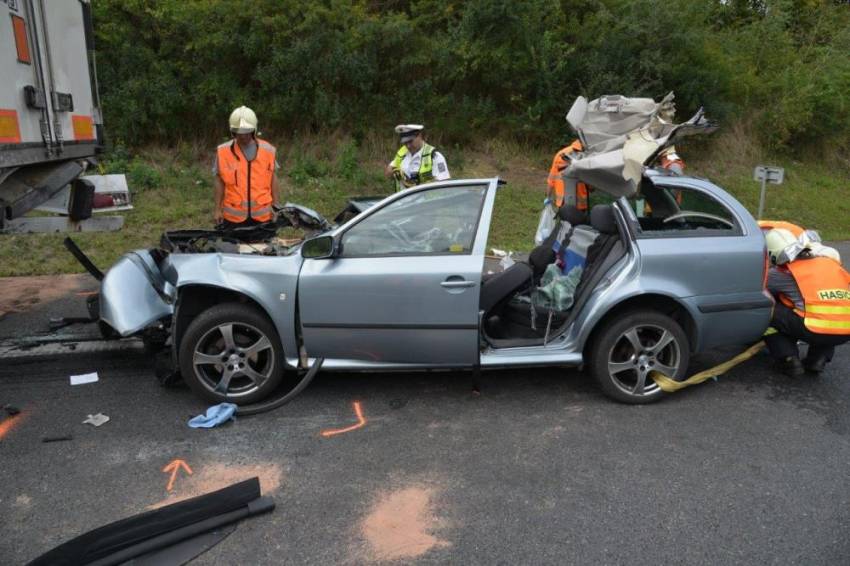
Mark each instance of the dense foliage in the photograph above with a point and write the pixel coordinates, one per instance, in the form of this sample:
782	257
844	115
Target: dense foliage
175	68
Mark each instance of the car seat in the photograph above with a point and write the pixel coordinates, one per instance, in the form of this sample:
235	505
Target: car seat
603	230
544	254
503	285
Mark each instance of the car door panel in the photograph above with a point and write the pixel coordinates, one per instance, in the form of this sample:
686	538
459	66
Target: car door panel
392	309
417	308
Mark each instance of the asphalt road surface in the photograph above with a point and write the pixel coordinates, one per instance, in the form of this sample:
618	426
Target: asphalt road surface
537	468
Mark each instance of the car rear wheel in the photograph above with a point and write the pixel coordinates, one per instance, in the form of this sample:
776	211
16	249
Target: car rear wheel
624	354
231	352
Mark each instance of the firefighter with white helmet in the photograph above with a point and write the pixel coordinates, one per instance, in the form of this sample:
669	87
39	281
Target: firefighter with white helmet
245	170
812	292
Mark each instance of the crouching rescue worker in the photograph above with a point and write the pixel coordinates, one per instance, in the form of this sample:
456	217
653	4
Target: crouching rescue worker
245	171
416	162
812	290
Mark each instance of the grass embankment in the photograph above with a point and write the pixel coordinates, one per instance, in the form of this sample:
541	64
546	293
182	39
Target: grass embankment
172	188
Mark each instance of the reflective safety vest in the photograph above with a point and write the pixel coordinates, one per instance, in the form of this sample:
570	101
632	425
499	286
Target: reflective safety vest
426	166
825	287
567	191
247	184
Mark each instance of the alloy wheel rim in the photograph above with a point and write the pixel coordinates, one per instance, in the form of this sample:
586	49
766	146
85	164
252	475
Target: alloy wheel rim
233	359
641	349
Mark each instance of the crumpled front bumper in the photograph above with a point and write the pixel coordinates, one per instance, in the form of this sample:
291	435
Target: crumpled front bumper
134	294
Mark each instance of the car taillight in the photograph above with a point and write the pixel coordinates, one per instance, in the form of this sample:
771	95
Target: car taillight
102	201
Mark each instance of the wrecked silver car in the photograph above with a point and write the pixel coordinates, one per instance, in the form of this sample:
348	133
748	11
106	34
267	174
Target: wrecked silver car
402	284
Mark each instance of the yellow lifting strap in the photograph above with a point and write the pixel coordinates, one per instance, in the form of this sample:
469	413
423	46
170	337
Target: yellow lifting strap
669	385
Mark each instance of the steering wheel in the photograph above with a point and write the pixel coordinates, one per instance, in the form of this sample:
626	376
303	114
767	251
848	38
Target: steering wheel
689	213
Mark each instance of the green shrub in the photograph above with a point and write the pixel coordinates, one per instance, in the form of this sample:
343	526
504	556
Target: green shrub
142	176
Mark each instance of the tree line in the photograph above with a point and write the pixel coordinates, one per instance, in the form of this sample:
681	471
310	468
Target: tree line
174	69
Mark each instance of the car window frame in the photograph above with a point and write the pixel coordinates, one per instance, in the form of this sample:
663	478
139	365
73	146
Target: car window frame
485	184
640	234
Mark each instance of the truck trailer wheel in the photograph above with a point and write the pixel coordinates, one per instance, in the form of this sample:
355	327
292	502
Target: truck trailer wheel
231	352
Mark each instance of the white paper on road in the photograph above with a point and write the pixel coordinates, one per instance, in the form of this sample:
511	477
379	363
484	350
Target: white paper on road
85	378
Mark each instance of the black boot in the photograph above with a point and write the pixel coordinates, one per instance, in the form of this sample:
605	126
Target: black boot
815	364
791	366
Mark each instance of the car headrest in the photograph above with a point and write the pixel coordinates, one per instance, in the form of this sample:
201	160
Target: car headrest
572	215
602	218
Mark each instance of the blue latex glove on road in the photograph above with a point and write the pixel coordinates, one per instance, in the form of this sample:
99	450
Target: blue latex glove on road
216	415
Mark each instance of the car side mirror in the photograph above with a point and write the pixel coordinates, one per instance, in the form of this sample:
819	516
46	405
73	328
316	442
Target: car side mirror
321	247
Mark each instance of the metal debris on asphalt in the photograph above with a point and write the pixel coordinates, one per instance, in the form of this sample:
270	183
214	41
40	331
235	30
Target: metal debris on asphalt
84	378
96	420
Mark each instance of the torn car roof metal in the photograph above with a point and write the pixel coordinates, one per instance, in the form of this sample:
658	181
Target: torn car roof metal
623	135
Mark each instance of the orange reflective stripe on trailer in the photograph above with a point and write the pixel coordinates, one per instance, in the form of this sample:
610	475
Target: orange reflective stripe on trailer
9	130
83	127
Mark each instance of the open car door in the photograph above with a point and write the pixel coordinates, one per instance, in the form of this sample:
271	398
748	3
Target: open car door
404	282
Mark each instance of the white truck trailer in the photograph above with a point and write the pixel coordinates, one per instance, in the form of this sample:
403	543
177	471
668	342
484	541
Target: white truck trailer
51	128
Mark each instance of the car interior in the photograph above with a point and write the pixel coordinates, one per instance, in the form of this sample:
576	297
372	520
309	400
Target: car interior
510	318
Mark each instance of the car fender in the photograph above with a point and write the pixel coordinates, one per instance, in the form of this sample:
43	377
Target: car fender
270	282
651	298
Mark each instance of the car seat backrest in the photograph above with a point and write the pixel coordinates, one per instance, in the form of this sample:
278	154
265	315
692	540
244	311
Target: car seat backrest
545	253
602	218
580	241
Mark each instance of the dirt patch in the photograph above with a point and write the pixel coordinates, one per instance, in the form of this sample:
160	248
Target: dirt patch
400	524
217	476
19	294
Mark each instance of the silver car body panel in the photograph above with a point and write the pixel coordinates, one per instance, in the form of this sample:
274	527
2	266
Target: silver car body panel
131	297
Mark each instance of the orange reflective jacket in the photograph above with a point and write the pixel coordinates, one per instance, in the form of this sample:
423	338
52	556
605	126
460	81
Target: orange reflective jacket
767	225
825	287
247	184
557	186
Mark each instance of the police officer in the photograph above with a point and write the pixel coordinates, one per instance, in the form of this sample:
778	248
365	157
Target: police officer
416	161
245	171
813	302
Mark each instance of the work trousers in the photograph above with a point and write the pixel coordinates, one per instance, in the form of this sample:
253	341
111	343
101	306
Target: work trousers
790	328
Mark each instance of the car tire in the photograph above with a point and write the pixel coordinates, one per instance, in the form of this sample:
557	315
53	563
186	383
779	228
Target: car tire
623	354
242	368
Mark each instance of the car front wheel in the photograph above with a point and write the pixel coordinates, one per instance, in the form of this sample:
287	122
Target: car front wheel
231	352
627	350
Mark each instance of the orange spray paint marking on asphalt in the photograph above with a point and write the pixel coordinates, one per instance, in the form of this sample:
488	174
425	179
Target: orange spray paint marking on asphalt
361	422
87	293
174	467
7	425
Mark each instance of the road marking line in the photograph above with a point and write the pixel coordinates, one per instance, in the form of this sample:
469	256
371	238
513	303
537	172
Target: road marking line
11	422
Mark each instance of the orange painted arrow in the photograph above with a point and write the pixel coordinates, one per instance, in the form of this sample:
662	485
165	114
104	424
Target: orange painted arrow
174	467
361	422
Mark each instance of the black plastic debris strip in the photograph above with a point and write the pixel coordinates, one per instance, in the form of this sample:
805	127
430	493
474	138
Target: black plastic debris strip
141	534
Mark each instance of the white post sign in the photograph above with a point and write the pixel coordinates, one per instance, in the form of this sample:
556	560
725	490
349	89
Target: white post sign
767	174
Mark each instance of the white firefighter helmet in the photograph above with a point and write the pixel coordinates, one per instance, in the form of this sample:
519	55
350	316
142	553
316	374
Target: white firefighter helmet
243	121
777	240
